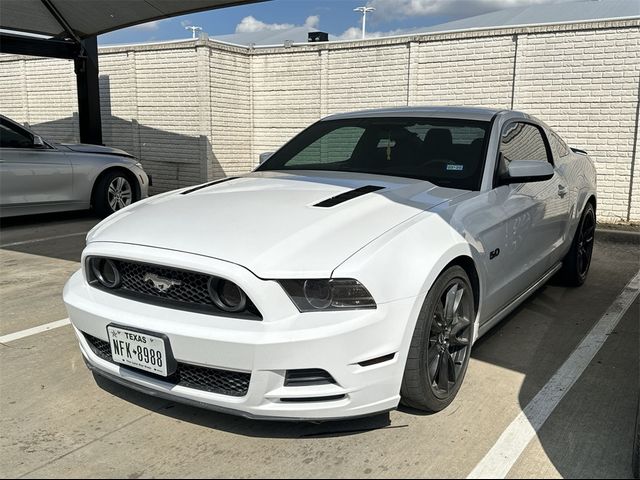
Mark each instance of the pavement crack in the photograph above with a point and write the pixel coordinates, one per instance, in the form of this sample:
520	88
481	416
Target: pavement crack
40	467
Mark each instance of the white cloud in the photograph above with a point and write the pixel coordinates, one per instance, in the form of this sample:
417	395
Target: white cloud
252	24
355	33
386	9
312	21
352	33
148	27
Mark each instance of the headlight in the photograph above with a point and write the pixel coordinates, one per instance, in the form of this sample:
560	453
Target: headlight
104	271
328	294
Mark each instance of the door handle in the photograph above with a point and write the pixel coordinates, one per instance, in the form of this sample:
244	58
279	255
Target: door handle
562	191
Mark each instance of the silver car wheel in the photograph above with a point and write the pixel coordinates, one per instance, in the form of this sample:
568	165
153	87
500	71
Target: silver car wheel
119	194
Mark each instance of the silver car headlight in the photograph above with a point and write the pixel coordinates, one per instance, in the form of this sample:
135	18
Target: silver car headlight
316	295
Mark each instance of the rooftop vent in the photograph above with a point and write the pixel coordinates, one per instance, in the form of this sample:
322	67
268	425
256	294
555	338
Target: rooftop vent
318	37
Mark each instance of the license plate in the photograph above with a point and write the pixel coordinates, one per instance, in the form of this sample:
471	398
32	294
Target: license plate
138	350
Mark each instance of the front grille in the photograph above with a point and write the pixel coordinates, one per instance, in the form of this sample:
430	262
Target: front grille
224	382
190	290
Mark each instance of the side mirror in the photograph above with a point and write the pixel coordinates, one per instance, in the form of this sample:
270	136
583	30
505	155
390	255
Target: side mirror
38	142
265	156
524	171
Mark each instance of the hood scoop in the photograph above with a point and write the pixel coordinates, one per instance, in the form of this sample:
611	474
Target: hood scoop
346	196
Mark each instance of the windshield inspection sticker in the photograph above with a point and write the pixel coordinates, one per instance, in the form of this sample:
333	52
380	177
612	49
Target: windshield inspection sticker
457	168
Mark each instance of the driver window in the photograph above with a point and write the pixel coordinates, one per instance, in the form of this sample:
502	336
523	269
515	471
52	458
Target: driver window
522	141
11	137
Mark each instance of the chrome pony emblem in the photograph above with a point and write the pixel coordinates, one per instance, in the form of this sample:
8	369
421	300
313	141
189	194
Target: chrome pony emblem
160	283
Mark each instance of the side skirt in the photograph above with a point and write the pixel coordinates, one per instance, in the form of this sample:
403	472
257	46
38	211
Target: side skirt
485	327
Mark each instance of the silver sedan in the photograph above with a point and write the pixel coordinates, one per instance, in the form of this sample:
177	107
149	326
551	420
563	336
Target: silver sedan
38	176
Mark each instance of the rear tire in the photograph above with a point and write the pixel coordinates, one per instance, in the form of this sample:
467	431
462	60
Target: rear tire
112	192
635	465
441	343
575	265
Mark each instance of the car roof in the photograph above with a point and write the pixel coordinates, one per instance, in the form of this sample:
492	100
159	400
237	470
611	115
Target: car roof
467	113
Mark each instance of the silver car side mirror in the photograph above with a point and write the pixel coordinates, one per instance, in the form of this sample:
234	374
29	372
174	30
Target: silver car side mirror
38	142
524	171
265	156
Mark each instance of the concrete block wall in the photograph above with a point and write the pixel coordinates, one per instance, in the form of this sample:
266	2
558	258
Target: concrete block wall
150	108
286	96
464	71
199	110
40	92
585	85
231	121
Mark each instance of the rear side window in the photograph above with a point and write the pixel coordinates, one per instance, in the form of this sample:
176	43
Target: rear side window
558	147
523	141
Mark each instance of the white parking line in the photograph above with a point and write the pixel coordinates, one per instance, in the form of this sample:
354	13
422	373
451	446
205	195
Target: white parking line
36	240
33	331
503	455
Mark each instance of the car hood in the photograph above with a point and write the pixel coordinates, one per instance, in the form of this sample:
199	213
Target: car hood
88	148
268	223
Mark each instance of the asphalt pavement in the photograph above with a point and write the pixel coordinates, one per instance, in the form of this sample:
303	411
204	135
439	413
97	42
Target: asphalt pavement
57	420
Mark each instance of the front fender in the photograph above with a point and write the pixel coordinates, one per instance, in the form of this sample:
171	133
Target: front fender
405	261
88	167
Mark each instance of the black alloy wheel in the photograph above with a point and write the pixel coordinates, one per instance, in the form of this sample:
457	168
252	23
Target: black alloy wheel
575	265
449	338
441	343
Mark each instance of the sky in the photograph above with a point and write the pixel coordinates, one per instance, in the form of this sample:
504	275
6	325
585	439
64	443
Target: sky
333	16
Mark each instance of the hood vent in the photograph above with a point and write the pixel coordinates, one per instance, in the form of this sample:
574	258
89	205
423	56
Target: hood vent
346	196
200	187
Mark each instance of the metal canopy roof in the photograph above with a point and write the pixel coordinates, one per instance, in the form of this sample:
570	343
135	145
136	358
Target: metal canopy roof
79	19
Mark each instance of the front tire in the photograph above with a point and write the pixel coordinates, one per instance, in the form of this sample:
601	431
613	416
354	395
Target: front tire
113	191
441	343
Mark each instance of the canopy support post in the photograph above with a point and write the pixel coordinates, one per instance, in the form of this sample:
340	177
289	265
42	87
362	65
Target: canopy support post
86	68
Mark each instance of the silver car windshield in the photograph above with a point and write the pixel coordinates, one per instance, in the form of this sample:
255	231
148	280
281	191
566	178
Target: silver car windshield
446	152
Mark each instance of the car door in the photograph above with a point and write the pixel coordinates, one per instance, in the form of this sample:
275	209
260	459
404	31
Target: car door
534	218
31	174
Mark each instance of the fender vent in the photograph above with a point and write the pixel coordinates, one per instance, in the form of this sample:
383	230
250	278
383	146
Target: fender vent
346	196
200	187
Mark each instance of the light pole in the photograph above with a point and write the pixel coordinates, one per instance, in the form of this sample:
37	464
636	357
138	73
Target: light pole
364	11
193	30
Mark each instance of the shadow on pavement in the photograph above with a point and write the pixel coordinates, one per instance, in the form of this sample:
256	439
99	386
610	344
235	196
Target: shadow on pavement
57	235
245	426
589	435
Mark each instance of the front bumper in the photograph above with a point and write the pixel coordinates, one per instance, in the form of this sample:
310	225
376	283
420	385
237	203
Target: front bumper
336	342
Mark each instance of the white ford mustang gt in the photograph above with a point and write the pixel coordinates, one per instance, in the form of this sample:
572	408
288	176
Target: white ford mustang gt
351	271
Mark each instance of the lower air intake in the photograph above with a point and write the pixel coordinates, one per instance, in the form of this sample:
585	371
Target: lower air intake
224	382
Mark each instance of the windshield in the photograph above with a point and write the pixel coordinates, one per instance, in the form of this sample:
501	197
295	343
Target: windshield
446	152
